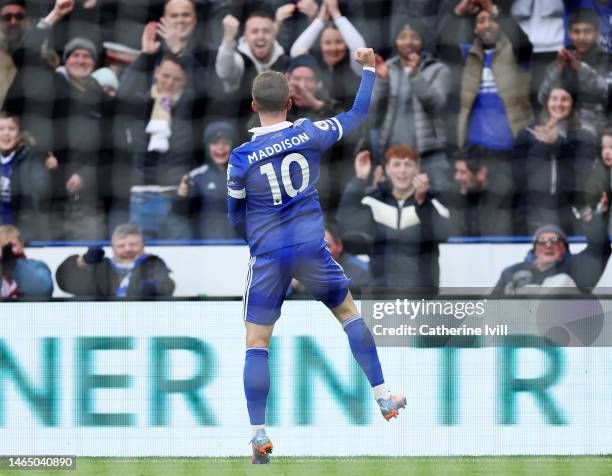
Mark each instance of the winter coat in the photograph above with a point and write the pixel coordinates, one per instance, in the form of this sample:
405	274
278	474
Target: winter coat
513	83
8	71
598	182
151	278
206	204
82	115
403	238
30	193
429	88
31	95
238	102
584	268
592	82
553	176
486	212
340	81
156	168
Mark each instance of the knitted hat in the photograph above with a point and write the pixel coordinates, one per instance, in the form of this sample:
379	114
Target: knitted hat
80	43
417	25
217	130
551	229
305	60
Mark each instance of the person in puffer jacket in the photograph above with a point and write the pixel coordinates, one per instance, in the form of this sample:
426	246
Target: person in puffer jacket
396	221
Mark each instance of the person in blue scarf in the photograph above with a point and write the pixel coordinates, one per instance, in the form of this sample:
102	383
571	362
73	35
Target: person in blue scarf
130	272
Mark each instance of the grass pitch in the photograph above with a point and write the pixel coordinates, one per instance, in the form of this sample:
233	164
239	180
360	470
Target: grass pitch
360	466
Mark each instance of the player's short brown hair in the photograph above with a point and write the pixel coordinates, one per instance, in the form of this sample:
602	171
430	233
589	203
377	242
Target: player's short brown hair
402	151
270	91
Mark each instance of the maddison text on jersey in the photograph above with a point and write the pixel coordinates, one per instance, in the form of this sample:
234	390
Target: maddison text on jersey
278	147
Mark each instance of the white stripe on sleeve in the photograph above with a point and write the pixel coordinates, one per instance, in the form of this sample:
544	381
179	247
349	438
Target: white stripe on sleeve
237	194
340	131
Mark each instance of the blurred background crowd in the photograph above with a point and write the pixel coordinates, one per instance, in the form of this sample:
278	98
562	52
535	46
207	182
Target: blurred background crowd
488	118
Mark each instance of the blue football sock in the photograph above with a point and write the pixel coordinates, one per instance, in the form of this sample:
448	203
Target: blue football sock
256	384
363	348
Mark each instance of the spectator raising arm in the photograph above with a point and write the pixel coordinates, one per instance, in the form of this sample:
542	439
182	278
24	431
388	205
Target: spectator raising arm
229	65
349	33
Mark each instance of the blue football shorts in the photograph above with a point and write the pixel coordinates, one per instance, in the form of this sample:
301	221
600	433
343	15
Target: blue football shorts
270	274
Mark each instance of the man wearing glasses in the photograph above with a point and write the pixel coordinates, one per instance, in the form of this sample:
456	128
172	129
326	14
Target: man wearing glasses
550	264
13	23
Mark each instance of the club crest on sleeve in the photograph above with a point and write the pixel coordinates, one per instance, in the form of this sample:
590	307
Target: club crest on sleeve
326	125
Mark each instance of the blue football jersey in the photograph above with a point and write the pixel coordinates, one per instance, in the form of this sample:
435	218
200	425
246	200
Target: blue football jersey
272	200
276	172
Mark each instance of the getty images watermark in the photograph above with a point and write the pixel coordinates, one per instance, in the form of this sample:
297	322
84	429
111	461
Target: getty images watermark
487	321
436	314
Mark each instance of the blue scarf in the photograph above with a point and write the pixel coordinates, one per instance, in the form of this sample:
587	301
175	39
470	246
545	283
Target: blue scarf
126	270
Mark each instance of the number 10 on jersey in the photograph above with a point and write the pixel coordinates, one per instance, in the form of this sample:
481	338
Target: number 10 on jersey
268	171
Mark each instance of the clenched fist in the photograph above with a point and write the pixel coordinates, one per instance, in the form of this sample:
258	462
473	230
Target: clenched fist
231	24
61	8
365	57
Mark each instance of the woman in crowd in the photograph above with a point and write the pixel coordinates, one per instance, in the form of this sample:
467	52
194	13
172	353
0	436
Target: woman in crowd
340	74
552	160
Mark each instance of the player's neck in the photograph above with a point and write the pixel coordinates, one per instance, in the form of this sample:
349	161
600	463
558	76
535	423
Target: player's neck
272	118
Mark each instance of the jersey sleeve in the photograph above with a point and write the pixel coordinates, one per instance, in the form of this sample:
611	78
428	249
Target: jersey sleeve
350	121
326	133
235	179
236	195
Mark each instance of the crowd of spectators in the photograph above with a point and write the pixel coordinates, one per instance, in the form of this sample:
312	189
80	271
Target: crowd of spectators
488	117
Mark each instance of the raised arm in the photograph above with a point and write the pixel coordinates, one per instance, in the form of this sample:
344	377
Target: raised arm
304	42
521	45
136	79
588	265
351	36
29	52
353	119
229	65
